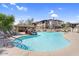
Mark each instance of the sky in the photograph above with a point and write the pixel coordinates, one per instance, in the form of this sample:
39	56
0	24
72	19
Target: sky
68	12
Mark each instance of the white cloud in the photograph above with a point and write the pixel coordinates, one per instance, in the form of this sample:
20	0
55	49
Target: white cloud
54	15
52	11
4	5
21	8
12	3
60	8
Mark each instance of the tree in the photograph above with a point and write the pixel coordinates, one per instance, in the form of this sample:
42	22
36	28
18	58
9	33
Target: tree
63	25
2	18
26	22
9	22
6	22
30	21
66	26
21	22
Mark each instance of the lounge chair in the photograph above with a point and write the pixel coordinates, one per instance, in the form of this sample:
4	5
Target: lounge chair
4	41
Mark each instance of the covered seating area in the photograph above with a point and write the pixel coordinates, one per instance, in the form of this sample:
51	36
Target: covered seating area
25	29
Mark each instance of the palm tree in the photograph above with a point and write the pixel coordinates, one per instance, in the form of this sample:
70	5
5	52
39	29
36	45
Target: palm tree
6	22
9	23
2	18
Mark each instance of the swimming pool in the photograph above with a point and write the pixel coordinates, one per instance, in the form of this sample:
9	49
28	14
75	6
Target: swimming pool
44	41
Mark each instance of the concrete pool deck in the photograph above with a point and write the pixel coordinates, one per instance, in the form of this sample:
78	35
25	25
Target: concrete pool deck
71	50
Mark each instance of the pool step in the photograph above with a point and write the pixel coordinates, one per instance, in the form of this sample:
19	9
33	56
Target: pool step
20	45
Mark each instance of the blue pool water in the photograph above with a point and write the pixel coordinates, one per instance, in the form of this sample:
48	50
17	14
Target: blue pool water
44	41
